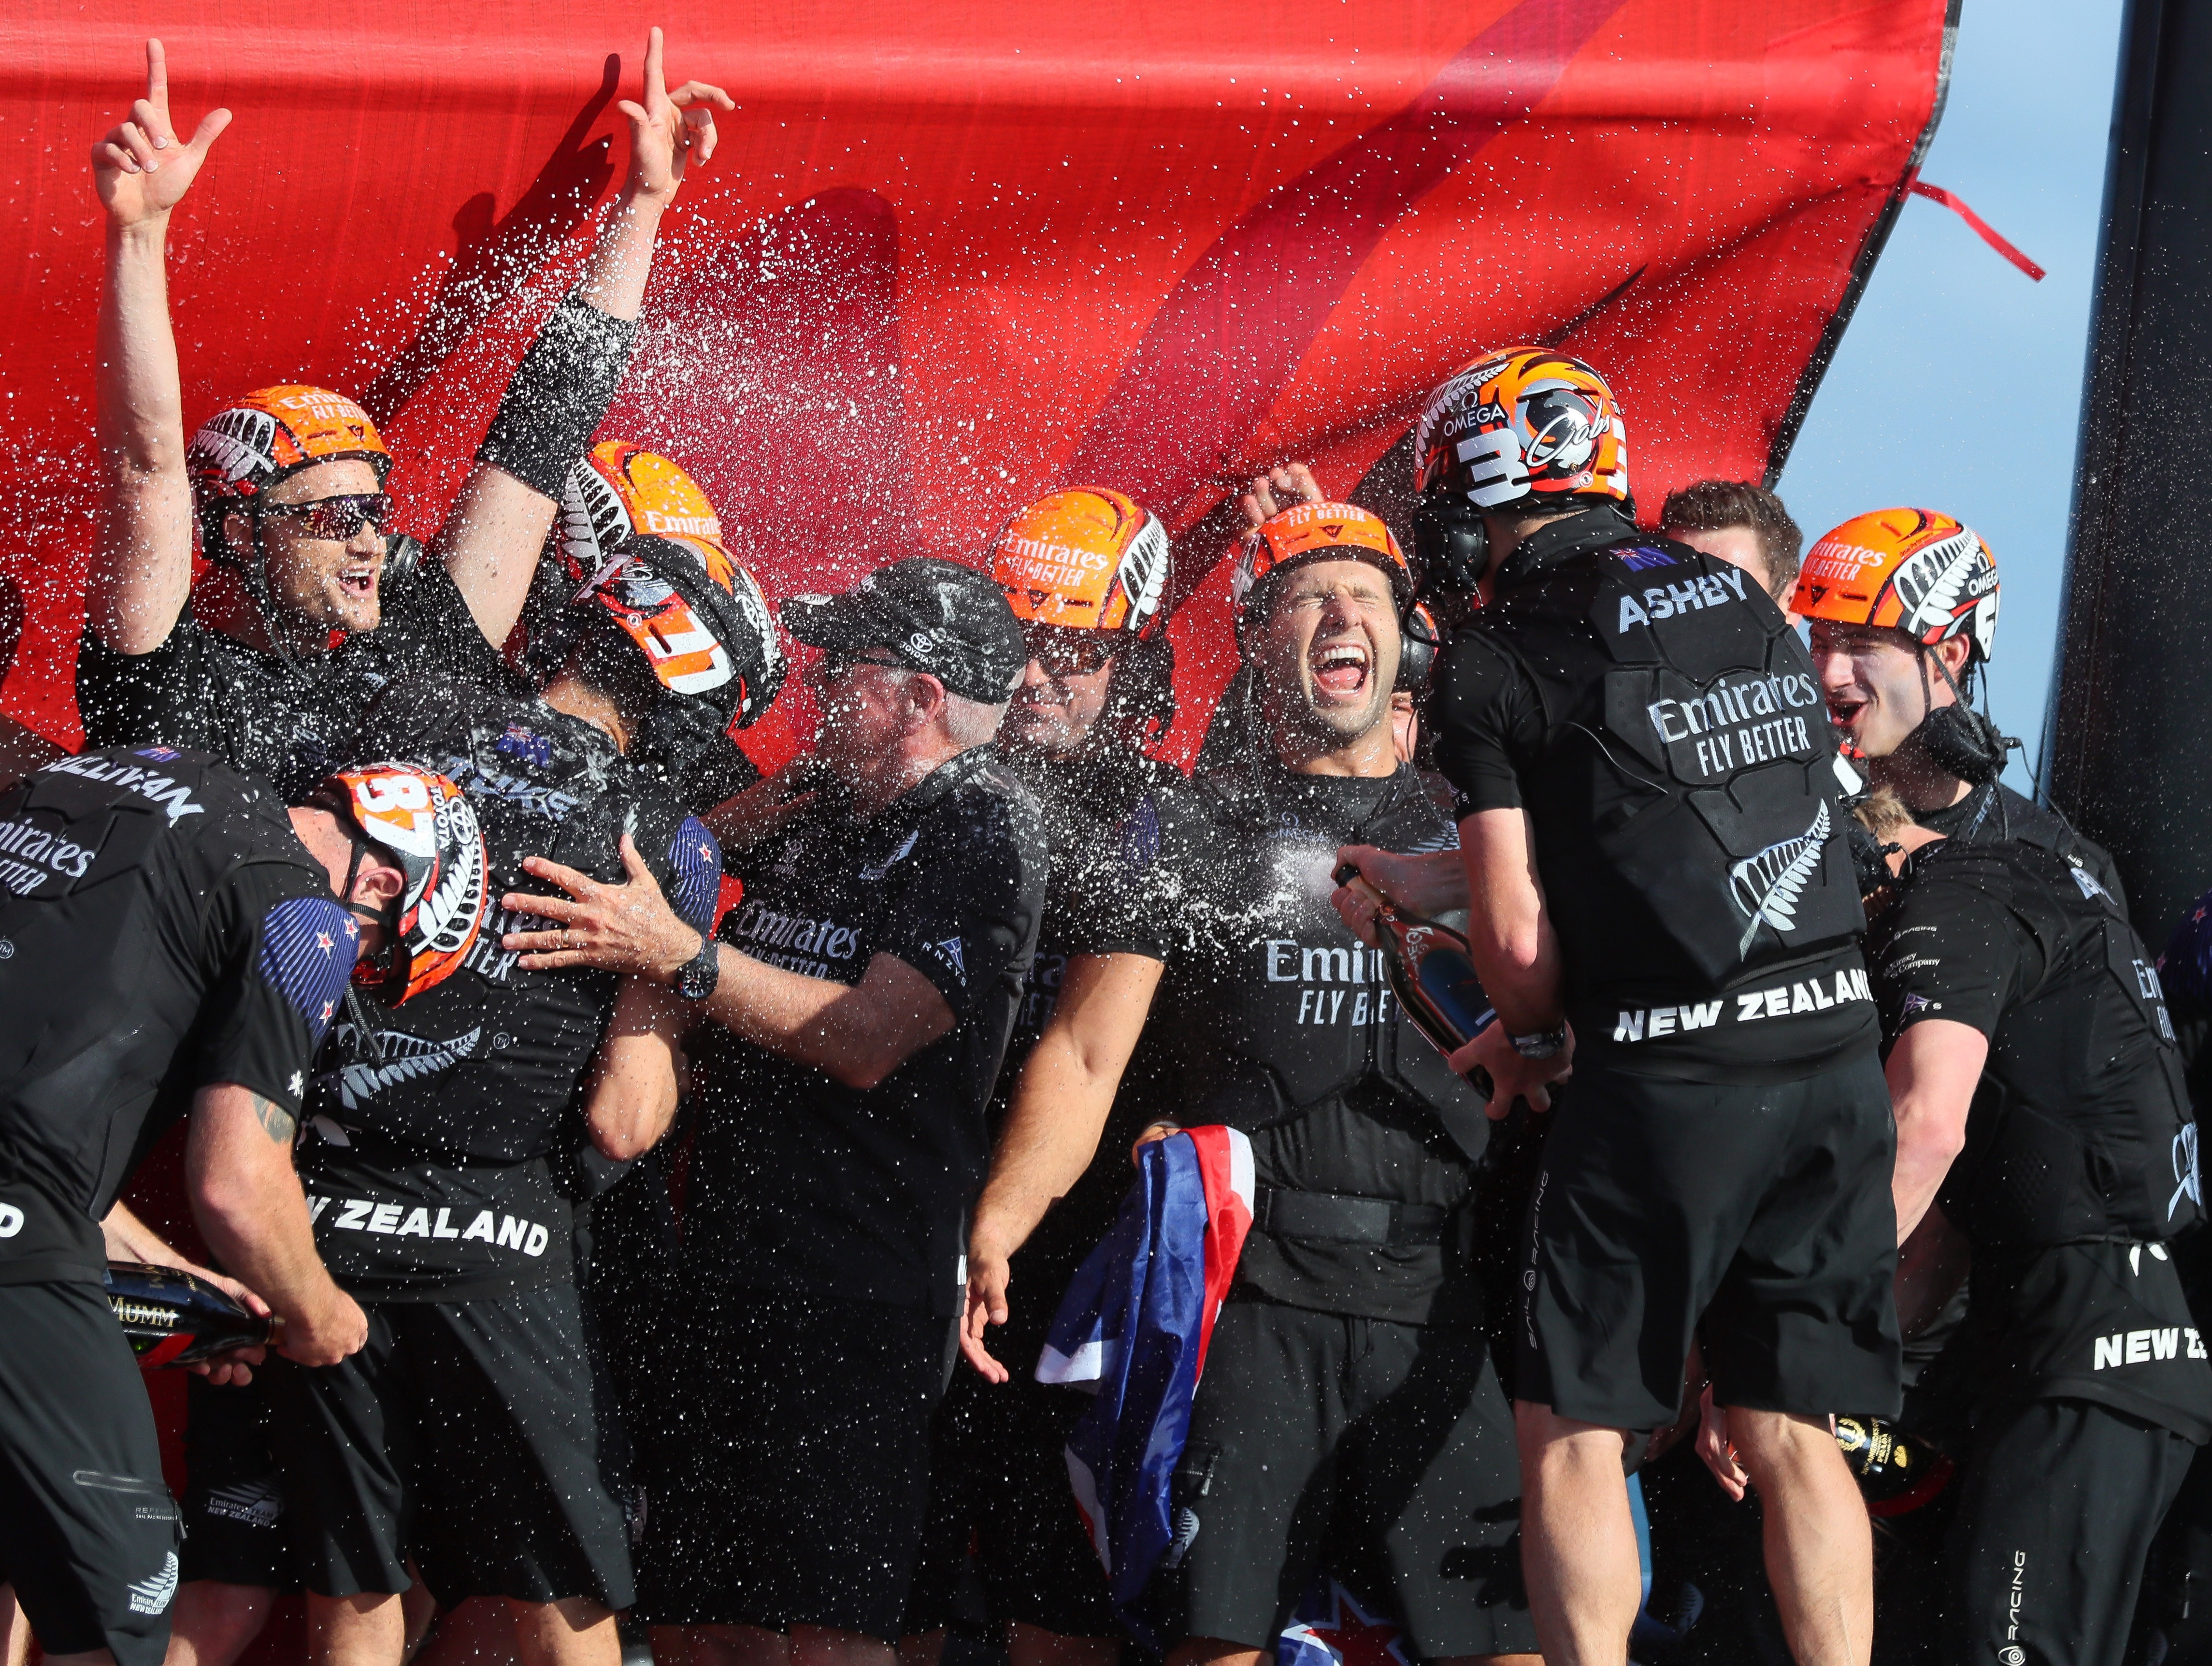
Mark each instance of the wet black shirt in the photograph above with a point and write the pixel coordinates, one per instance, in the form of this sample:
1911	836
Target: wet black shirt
161	929
1993	811
2070	1137
286	721
432	1149
1271	972
798	1182
1108	821
1636	1004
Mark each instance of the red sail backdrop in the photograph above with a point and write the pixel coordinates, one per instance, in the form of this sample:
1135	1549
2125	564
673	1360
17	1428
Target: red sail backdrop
950	256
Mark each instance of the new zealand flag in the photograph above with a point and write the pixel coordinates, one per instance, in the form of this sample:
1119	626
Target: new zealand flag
1133	1328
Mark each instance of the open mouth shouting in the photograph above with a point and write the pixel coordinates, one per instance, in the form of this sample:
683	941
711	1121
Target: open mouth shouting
1339	669
359	582
1843	711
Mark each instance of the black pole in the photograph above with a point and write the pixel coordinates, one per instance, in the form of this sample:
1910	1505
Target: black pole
2129	728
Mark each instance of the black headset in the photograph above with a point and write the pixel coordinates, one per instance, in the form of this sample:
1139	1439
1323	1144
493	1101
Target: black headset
1142	688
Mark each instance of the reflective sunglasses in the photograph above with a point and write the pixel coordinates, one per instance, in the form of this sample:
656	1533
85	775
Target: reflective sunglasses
834	665
336	517
1065	653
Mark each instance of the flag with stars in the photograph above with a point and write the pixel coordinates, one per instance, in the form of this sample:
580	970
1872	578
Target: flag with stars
1134	1329
1331	1628
695	873
308	944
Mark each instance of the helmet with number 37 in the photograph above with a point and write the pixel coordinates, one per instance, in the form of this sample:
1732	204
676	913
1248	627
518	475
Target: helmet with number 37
421	822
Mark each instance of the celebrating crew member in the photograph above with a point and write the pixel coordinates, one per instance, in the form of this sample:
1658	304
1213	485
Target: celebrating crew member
619	491
1650	828
2041	1125
1348	1421
855	1012
1743	525
464	1437
172	945
1903	607
1085	572
285	492
286	488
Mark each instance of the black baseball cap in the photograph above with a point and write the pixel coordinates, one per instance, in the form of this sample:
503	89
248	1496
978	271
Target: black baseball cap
934	616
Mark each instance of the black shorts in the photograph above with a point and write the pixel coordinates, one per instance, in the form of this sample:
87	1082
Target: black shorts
793	1470
1764	1209
234	1521
999	1487
464	1437
2057	1505
1379	1454
89	1534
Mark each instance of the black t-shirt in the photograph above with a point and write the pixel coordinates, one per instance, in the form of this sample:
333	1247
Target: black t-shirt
798	1182
431	1151
1272	999
1104	820
1108	821
286	721
2071	1164
1636	1002
1993	812
161	929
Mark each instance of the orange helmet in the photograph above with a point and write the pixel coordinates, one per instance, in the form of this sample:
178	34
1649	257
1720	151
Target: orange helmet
638	538
619	491
272	432
1308	532
697	616
1523	426
1914	570
1089	559
421	822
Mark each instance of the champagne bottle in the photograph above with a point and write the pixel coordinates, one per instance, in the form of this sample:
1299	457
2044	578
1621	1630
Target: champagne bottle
1896	1472
173	1318
1431	971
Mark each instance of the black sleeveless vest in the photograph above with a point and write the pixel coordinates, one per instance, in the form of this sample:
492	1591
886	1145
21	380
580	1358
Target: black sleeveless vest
1685	799
1279	1008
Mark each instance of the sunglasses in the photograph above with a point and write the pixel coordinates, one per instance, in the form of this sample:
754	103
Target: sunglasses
834	666
336	517
1068	653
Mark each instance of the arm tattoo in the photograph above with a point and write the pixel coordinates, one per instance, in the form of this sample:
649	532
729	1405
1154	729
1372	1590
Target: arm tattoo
276	1122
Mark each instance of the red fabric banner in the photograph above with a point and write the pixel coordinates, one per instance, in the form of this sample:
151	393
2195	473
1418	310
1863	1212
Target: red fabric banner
949	256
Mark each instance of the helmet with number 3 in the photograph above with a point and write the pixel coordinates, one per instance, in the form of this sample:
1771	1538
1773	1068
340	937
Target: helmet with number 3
421	822
1523	427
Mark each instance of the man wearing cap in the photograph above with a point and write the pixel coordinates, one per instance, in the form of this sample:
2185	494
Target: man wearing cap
851	1022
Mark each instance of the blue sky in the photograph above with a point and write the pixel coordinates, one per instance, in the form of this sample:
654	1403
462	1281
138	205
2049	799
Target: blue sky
1958	386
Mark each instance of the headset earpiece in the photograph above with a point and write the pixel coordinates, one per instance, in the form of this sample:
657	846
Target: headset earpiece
1419	643
1142	691
1451	545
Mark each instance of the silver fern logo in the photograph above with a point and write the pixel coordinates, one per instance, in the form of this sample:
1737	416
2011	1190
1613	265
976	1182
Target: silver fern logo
404	1059
1767	887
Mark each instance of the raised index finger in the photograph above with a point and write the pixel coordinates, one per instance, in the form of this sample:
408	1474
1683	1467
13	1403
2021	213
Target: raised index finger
157	76
656	85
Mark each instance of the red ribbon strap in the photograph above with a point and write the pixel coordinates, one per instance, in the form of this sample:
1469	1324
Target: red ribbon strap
1952	201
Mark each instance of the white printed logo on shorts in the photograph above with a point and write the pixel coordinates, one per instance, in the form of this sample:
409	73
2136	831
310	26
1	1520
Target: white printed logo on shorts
152	1595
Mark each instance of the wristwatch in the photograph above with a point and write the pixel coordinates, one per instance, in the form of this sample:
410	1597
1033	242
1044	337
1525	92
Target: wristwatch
1544	1044
699	974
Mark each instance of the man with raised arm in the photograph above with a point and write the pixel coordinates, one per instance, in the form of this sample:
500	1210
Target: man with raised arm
284	493
284	488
